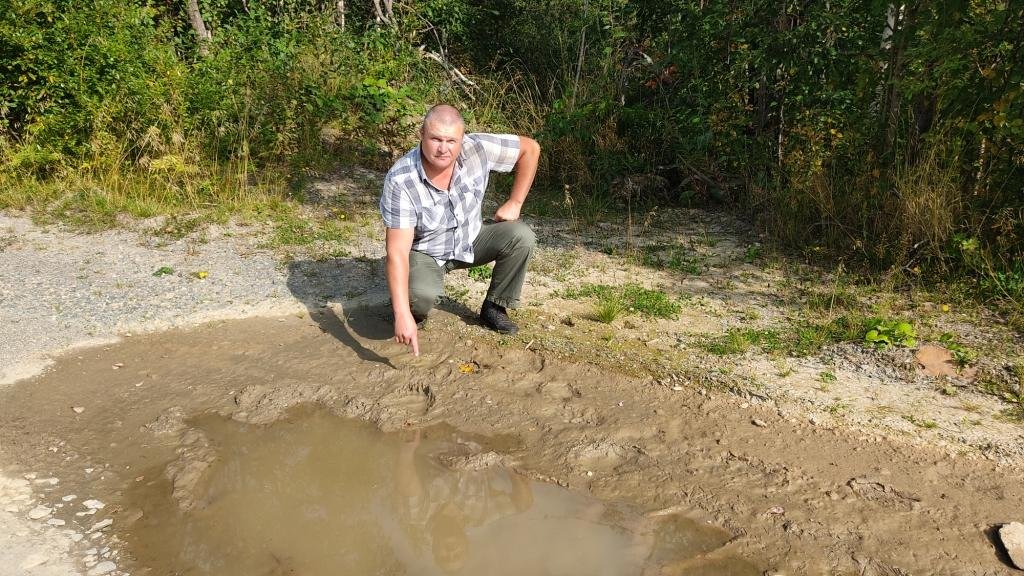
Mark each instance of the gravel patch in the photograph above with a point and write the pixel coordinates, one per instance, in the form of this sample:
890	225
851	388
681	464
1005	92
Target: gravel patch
60	290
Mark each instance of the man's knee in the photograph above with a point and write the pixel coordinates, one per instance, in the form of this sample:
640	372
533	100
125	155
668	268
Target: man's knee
522	235
422	300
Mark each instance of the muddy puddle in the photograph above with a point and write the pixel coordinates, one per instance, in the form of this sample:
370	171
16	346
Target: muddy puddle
318	494
289	446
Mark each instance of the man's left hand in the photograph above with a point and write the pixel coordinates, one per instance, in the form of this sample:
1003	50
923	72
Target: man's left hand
508	211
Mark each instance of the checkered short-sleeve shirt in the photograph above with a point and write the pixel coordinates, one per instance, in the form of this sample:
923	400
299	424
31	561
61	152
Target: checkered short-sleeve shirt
446	222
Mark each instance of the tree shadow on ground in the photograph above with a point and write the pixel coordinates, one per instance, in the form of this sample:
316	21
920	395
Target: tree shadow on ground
359	286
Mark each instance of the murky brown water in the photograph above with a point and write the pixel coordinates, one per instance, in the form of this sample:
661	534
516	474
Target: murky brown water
317	494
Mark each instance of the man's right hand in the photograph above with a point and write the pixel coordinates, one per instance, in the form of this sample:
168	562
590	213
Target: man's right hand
406	332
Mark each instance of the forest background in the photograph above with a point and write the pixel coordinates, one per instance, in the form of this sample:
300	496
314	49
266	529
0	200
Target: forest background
888	137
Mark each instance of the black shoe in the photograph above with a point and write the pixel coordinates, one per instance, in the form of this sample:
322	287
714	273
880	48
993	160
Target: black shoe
496	318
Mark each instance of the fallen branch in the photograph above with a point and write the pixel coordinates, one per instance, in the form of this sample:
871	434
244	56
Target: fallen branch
455	72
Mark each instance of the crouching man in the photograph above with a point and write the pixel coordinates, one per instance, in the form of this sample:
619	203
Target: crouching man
431	208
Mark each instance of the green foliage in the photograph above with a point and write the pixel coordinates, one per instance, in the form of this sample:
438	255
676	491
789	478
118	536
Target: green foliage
481	273
163	271
884	333
962	355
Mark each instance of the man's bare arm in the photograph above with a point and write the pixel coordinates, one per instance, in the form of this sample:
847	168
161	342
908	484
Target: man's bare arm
525	171
398	243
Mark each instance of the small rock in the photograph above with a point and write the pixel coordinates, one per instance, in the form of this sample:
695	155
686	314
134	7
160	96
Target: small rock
78	409
100	525
11	509
1012	535
103	568
69	498
55	522
76	537
49	481
39	512
118	365
93	504
814	420
677	388
759	423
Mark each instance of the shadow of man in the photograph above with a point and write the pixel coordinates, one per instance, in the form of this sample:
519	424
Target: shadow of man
358	285
354	284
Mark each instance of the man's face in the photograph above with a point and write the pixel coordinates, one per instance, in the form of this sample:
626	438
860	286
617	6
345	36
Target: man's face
440	144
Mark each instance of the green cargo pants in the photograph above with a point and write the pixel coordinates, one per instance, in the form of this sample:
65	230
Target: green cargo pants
507	244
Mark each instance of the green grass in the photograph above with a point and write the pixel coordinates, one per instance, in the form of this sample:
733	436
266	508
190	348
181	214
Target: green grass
631	298
921	422
607	311
99	197
673	257
738	341
481	273
797	339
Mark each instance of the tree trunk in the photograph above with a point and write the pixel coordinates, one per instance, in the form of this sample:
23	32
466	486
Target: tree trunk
196	18
339	14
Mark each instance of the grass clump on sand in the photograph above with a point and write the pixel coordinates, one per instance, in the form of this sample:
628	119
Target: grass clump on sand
629	298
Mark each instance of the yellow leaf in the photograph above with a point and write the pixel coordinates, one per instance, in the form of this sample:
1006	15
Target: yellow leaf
468	367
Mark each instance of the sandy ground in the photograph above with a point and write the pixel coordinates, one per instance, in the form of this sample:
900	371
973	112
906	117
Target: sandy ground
877	469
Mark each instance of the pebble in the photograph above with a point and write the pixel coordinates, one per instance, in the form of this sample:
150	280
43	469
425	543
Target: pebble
100	525
759	423
69	498
93	504
50	481
39	512
78	409
1012	535
55	522
76	537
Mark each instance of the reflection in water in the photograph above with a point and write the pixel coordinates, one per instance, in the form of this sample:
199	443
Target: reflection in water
321	495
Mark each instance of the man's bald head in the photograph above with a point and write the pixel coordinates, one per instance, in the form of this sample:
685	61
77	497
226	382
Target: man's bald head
443	115
441	138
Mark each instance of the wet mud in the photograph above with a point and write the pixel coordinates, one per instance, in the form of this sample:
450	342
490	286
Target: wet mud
136	423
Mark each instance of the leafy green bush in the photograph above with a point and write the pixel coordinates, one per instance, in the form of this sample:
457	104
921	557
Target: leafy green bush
884	333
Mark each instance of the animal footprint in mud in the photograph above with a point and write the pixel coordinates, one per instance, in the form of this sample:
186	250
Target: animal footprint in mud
883	494
558	390
600	456
415	399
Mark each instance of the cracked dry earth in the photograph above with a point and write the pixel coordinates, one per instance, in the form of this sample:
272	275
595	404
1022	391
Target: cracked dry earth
806	478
